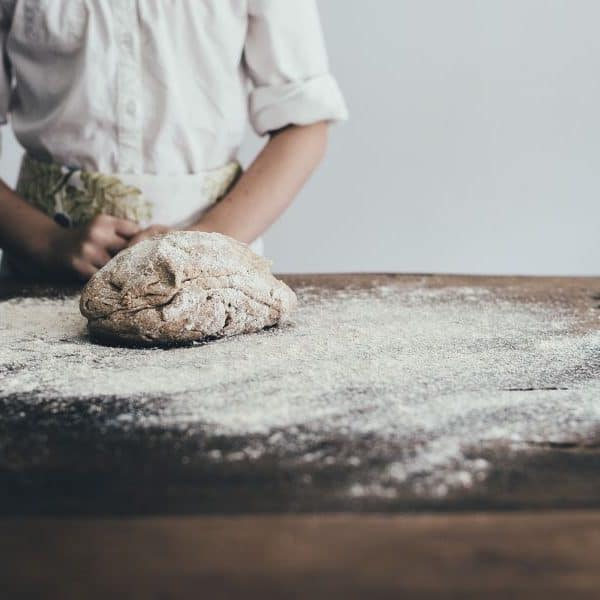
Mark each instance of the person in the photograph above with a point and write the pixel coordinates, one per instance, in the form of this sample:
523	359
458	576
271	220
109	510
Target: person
132	113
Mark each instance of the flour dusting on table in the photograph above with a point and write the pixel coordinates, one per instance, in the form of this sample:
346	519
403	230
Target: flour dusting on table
428	376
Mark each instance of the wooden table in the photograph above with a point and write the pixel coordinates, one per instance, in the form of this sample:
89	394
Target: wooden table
92	512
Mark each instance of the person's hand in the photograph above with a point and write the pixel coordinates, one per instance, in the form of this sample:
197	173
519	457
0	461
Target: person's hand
144	234
81	251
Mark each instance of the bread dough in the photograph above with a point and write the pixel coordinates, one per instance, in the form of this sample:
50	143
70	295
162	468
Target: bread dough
181	287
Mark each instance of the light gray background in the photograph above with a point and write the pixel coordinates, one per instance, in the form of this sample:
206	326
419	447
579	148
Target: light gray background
473	143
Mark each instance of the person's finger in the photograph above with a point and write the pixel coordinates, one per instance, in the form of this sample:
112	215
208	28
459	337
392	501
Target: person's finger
115	243
83	269
105	236
135	239
100	258
141	236
94	254
104	227
125	228
148	233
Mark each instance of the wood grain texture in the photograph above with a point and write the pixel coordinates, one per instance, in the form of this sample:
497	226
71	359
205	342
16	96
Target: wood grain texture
546	555
70	463
67	458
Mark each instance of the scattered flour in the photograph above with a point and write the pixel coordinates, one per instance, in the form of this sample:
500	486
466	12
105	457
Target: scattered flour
432	375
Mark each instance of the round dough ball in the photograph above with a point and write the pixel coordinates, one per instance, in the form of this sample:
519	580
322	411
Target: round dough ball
181	287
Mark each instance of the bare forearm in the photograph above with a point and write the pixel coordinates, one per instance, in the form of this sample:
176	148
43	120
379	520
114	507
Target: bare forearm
22	227
270	184
40	247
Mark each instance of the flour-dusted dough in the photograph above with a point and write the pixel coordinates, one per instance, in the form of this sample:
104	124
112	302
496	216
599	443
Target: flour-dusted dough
181	287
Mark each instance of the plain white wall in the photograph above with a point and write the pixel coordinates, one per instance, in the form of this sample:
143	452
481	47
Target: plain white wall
473	143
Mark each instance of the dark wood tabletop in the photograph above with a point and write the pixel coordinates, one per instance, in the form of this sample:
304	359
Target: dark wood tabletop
92	510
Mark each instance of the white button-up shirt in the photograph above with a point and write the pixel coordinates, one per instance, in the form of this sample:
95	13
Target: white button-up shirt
159	86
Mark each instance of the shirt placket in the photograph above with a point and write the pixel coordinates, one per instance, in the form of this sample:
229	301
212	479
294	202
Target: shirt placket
129	129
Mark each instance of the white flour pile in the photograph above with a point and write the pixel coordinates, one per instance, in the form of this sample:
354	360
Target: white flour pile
432	374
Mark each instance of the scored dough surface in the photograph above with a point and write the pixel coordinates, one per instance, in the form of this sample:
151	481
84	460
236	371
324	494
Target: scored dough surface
184	286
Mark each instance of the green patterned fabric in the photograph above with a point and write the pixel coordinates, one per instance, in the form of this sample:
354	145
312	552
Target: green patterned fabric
49	187
78	195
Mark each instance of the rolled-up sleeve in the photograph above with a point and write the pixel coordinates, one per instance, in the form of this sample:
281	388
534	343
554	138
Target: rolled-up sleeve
287	64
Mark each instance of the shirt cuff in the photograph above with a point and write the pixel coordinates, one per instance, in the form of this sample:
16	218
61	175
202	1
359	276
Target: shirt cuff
296	102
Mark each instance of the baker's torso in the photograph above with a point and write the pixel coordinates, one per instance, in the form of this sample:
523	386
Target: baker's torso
154	87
